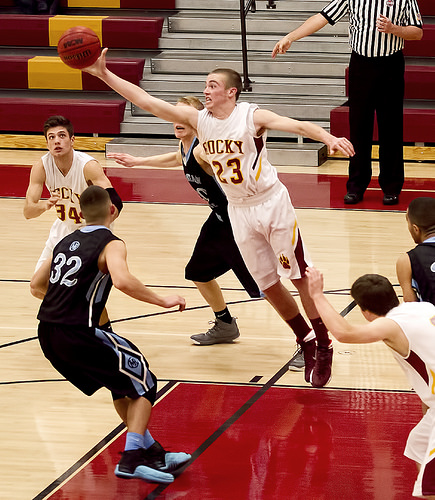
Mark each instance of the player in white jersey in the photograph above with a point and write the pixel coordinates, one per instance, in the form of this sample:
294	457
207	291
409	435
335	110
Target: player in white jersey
66	173
408	330
261	214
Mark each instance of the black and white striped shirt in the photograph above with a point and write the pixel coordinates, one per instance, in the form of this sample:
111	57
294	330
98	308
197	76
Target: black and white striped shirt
364	38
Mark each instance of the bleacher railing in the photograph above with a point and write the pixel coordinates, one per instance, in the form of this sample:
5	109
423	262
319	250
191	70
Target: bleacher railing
250	5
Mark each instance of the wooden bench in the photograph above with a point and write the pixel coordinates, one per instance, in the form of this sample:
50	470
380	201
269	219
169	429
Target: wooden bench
88	116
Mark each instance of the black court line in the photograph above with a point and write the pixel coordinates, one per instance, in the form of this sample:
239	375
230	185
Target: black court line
198	452
233	419
94	451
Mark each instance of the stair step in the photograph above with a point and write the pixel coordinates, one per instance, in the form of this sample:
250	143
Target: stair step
259	43
258	23
314	67
153	126
279	153
304	7
261	86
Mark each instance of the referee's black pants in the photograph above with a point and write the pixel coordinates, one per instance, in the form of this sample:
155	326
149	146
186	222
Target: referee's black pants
376	84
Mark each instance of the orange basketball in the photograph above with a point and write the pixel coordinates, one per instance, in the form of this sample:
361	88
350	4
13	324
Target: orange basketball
79	47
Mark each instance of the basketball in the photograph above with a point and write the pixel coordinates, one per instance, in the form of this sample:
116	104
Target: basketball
79	47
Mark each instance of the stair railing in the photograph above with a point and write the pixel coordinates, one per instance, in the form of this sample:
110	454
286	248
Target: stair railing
244	9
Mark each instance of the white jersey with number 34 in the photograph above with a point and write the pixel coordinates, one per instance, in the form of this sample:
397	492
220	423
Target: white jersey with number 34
69	187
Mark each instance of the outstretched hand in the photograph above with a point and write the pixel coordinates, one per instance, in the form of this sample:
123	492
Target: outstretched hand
281	47
123	159
341	144
99	66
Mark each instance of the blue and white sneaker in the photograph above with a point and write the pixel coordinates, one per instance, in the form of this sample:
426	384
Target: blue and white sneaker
135	464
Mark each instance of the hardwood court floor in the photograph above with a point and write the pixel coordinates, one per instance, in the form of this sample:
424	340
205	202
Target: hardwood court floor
47	426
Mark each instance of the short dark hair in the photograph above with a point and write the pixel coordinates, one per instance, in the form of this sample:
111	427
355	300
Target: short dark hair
232	78
58	121
374	293
421	212
94	202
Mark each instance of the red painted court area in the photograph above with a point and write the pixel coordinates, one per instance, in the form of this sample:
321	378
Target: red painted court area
287	443
163	186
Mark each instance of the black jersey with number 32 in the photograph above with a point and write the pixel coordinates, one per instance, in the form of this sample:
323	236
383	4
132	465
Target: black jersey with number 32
77	290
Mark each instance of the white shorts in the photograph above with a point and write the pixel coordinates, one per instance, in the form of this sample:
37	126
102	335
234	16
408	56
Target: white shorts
58	230
420	447
267	234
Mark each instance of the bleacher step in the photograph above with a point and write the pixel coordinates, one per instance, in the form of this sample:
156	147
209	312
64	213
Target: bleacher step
279	153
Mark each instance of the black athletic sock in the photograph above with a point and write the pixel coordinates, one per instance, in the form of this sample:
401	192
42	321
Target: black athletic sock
299	326
321	332
224	315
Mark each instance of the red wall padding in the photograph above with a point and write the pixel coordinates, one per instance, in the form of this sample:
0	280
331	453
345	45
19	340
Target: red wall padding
88	117
418	124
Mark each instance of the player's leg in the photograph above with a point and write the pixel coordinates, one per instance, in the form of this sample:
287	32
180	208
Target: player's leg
419	447
322	371
163	460
285	305
207	263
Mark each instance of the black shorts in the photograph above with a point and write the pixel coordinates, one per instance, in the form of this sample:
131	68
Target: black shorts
91	358
215	253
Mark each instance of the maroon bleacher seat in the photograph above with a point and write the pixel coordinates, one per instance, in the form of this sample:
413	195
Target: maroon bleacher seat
418	124
424	47
88	116
419	82
117	32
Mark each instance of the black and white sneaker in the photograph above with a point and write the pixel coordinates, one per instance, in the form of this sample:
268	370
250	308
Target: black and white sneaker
135	465
166	461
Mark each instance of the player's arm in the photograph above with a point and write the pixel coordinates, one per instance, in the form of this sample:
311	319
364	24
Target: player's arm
404	275
310	26
167	160
201	158
94	175
39	281
265	119
114	257
175	114
379	328
33	205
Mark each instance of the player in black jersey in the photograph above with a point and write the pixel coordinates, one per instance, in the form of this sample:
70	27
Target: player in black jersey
75	284
215	251
416	268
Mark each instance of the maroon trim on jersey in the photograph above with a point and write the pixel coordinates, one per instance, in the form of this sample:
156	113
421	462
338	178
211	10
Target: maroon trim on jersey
300	256
428	479
419	366
259	145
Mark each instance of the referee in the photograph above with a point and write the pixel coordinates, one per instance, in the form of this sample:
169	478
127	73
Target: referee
377	31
